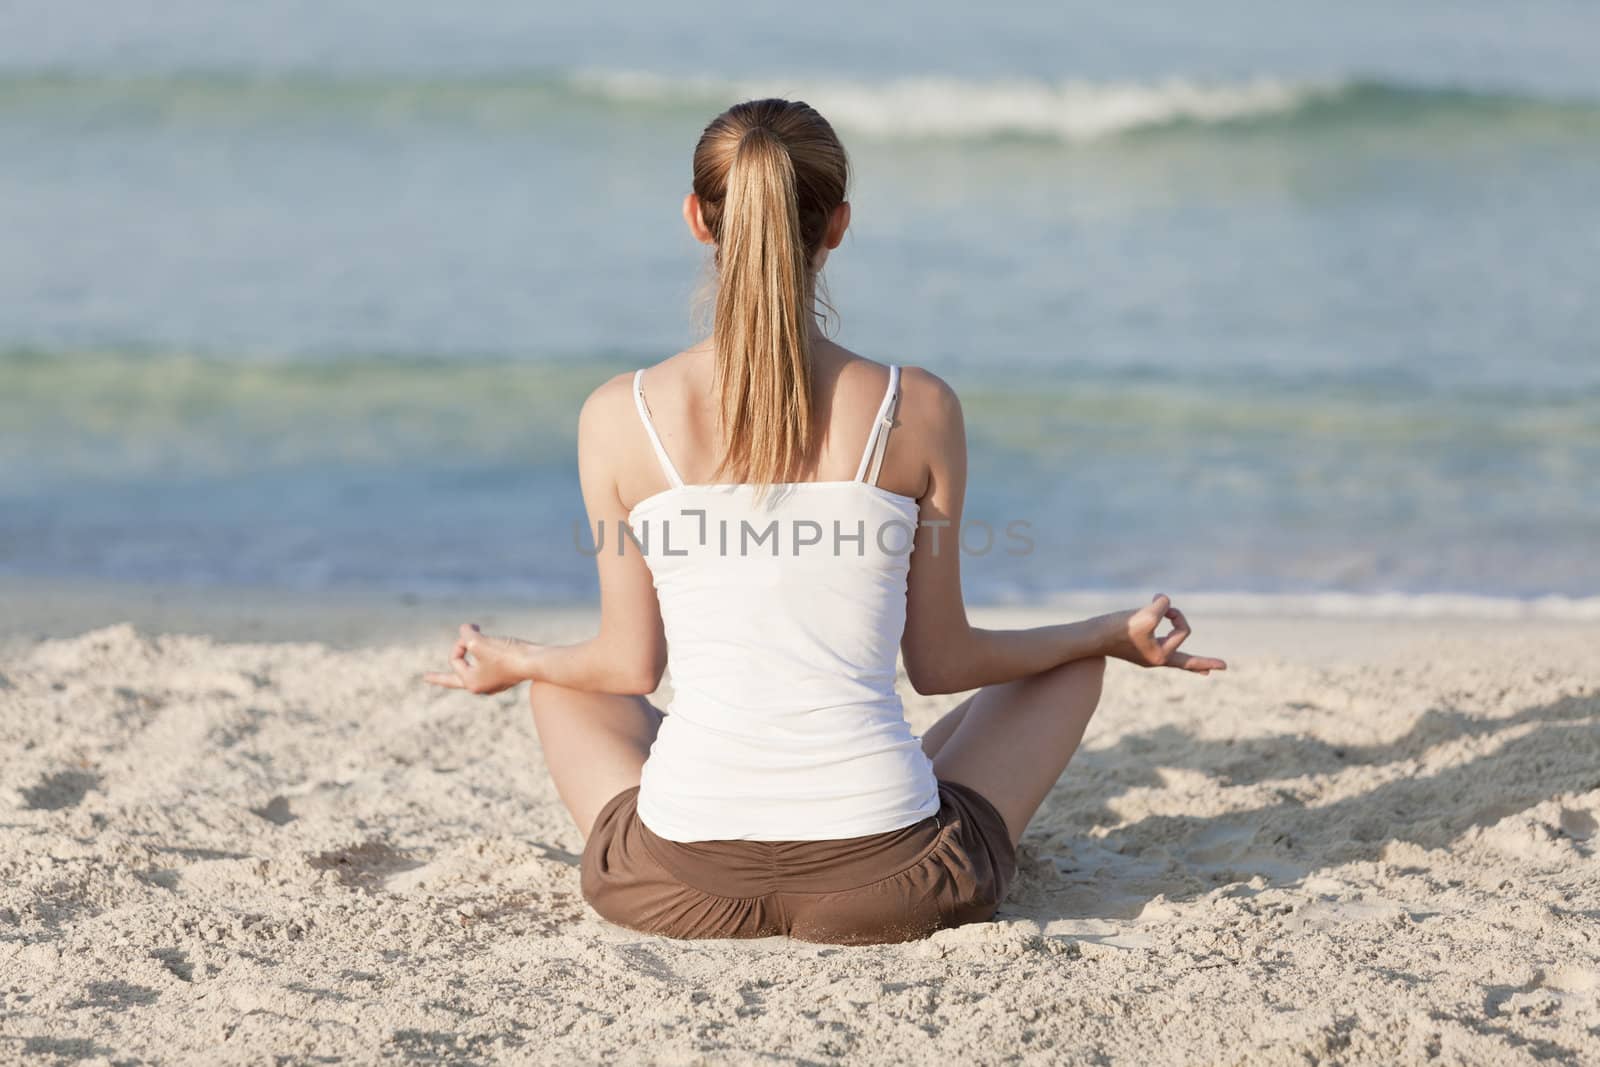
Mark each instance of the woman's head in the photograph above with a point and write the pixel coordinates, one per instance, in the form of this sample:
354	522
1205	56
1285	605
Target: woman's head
770	178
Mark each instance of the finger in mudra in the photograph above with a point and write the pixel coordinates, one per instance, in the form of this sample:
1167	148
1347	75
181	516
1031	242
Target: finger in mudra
480	664
1145	648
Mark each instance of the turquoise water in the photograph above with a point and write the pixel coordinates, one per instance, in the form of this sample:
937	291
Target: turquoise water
307	296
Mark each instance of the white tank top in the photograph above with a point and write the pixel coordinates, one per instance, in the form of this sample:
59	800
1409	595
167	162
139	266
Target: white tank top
782	619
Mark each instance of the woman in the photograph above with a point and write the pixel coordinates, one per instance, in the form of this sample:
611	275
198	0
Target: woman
782	544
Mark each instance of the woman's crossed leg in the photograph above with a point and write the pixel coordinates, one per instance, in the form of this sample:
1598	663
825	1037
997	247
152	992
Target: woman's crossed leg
594	744
1012	742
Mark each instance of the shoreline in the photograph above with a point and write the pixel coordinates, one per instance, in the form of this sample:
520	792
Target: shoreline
36	609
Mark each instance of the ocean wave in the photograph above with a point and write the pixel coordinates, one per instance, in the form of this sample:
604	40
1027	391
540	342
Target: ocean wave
952	108
914	108
1347	605
108	415
163	466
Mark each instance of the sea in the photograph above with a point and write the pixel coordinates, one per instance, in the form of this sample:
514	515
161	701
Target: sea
1266	300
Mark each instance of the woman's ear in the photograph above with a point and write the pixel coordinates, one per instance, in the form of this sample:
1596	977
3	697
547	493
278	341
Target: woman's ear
696	220
838	222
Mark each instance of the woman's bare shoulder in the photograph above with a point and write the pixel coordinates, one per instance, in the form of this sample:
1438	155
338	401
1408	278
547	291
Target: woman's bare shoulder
679	376
871	376
928	401
926	385
667	375
928	404
607	399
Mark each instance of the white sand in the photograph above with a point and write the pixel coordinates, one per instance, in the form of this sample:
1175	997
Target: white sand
1367	842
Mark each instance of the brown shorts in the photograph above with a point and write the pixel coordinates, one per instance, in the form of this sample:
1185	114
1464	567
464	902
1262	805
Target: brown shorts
949	869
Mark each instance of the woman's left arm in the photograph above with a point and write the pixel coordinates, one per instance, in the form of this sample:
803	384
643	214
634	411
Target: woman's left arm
629	653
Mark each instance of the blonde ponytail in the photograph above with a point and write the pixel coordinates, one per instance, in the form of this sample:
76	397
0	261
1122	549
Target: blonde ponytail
763	301
769	174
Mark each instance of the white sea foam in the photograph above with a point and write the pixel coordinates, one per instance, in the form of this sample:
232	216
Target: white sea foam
1331	605
948	107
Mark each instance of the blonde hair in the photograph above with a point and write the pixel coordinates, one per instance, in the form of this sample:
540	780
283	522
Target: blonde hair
769	175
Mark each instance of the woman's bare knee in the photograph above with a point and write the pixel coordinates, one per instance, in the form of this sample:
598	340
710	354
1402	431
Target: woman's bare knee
1078	683
1089	670
544	695
1090	665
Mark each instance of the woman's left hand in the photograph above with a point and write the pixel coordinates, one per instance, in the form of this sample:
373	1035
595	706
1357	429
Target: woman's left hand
1134	638
482	664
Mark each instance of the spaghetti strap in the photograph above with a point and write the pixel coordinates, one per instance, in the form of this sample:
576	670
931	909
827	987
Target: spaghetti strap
650	428
878	440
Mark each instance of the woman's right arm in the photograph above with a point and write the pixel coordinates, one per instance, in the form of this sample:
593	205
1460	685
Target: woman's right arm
629	654
943	652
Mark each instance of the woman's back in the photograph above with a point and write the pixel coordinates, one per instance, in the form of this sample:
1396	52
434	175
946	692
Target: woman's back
847	391
783	612
773	565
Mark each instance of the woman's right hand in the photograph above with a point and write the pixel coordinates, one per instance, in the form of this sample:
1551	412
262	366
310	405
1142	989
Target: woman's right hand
1134	639
495	664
